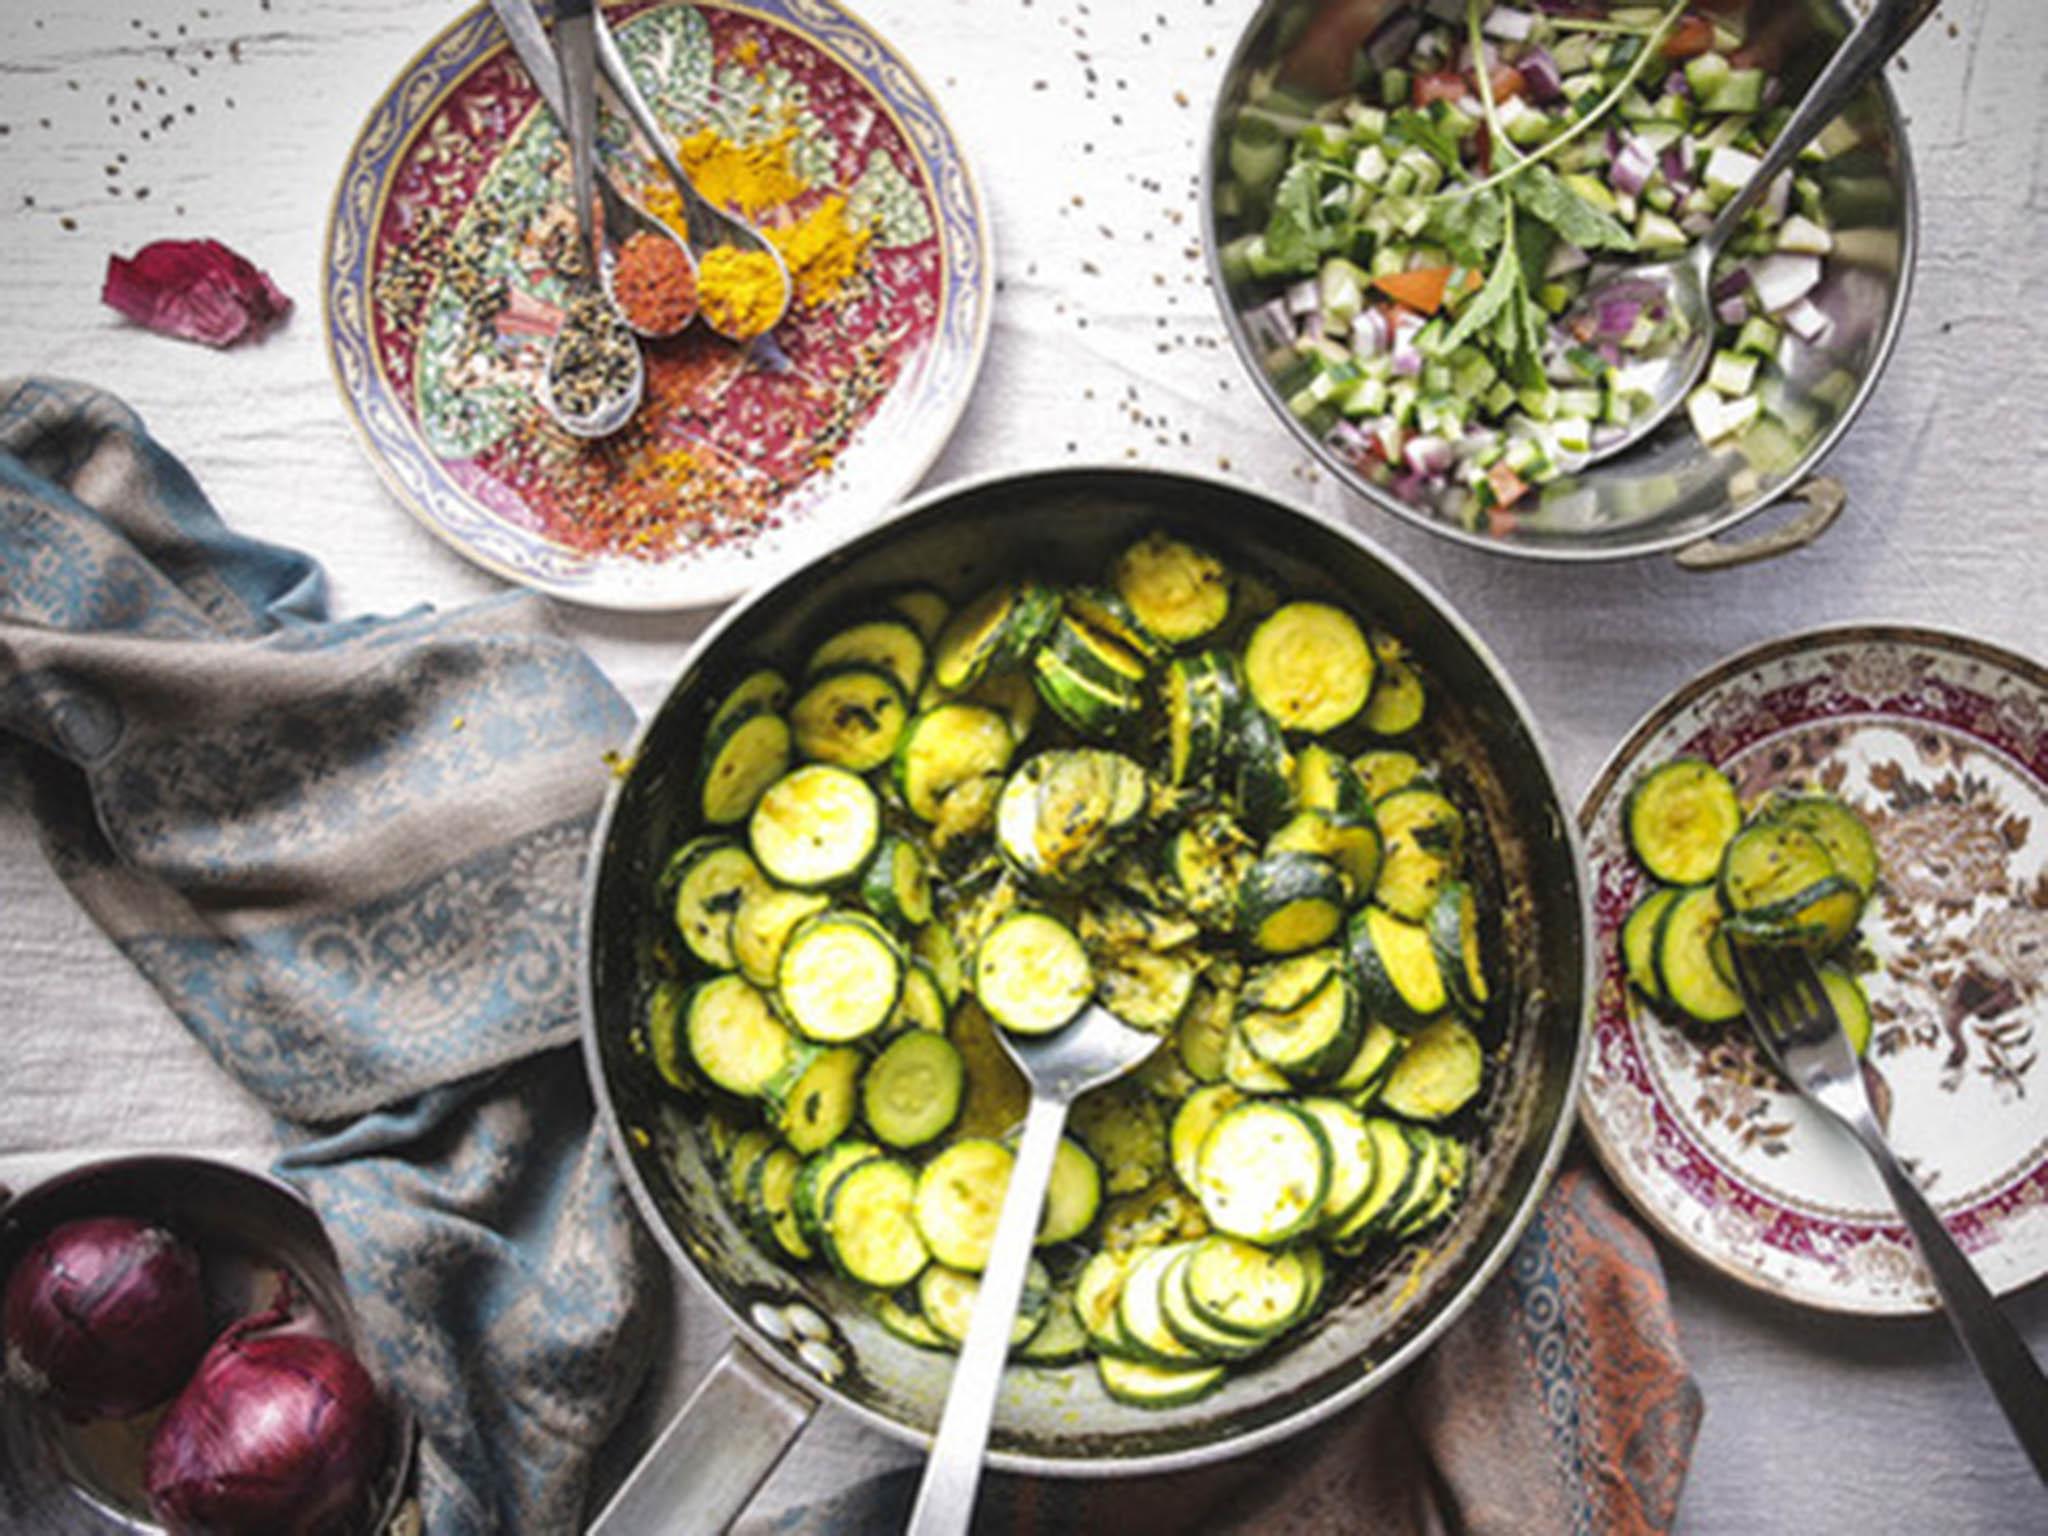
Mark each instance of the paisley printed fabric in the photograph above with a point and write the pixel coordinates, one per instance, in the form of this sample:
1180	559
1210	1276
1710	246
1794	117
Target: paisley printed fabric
347	854
1558	1406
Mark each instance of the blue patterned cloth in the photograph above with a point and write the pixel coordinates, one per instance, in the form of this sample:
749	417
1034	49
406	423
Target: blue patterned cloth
348	854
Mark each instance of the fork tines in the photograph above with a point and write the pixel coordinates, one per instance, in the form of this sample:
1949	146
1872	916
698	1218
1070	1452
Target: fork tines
1782	990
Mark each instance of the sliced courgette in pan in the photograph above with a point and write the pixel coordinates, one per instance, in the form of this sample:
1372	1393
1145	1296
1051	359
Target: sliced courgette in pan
1198	1112
1351	1159
1378	1050
1438	1075
913	1091
1686	974
852	717
1398	699
921	1006
1263	770
1063	813
1199	697
1681	818
1246	1069
933	945
769	1186
1290	902
1012	695
895	886
1309	667
946	1297
1639	942
926	607
816	826
1324	781
1204	864
1425	846
734	1037
995	631
717	878
1393	1182
891	646
960	1198
1386	769
906	1322
1264	1172
1060	1339
815	1100
1139	1385
1097	1289
819	1170
1353	846
762	688
1423	1187
1073	1196
664	1021
1124	1130
840	976
947	747
1460	955
1189	1327
1176	591
1315	1039
870	1233
1147	989
742	757
1140	1311
1032	974
1089	680
1204	1031
762	925
1107	613
1399	979
1248	1290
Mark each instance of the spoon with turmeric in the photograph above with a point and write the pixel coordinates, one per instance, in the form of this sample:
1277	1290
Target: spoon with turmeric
743	284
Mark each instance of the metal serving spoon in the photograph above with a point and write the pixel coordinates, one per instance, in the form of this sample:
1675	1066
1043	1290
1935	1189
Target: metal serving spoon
1096	1048
1682	283
710	226
593	335
623	217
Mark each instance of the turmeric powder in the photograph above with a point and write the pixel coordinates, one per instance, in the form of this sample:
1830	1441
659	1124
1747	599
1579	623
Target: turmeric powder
746	177
823	251
739	292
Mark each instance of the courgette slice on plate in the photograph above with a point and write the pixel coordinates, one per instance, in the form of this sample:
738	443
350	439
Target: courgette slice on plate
1438	1075
1063	813
1393	1182
1836	827
1399	979
945	1298
1175	590
1325	782
717	877
819	1170
851	717
870	1233
1681	818
1073	1195
892	646
1851	1005
814	1102
913	1091
816	826
1264	1172
946	747
1639	943
742	757
1454	933
735	1039
770	1184
1386	769
1399	699
1315	1039
1687	977
1352	845
1124	1130
840	976
1308	666
1425	848
762	925
1199	696
762	688
995	631
1139	1385
1779	885
959	1199
1351	1159
1290	902
1032	974
1140	1311
1247	1290
896	886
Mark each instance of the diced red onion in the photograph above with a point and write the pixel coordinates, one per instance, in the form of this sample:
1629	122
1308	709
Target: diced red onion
1304	298
1370	333
1676	84
1633	167
1782	280
1412	487
1778	197
198	290
1314	328
1677	163
1428	455
1269	327
105	1316
1350	439
1509	25
1805	320
1732	311
1614	318
1408	360
1696	224
1540	76
1735	280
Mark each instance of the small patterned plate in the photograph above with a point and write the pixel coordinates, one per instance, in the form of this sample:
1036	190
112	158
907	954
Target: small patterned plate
443	280
1941	743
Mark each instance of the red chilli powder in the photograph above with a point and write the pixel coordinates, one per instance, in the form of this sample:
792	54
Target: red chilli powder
654	285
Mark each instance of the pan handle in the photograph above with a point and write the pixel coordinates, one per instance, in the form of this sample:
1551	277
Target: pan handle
1826	499
701	1473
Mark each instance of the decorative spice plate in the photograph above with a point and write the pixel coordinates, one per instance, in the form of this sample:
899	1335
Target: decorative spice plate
444	281
1941	743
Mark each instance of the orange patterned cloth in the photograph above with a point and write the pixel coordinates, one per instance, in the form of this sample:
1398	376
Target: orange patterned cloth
1559	1404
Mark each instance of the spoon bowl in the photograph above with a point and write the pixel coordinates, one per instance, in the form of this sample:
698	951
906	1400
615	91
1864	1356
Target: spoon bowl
624	221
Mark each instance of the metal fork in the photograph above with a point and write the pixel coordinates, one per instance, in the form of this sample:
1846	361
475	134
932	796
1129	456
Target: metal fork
1782	994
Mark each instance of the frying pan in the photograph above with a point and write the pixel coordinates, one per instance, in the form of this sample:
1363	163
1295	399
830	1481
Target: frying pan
803	1336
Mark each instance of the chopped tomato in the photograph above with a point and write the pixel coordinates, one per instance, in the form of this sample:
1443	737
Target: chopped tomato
1508	487
1508	82
1444	85
1691	37
1422	289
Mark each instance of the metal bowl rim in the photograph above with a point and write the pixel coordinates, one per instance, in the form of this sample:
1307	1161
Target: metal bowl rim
1560	553
1292	1423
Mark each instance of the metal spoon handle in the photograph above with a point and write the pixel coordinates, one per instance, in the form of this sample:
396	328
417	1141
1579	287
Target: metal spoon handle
945	1499
577	50
1863	53
2001	1355
697	212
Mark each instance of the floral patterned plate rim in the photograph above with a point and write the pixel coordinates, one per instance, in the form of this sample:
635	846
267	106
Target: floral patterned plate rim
1941	742
442	277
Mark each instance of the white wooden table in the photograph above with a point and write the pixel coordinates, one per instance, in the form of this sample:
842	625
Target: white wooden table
127	120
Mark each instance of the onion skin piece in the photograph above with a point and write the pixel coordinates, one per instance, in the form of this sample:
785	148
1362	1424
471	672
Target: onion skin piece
279	1433
105	1317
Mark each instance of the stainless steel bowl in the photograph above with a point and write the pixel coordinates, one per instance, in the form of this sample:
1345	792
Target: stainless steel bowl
59	1479
1671	492
806	1337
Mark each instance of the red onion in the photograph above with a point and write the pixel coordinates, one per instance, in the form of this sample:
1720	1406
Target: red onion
105	1317
279	1433
1542	77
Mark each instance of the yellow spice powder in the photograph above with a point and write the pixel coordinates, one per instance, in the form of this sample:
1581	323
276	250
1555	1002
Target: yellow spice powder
748	177
740	292
823	252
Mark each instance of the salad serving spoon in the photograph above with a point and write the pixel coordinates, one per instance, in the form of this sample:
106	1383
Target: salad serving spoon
1683	284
